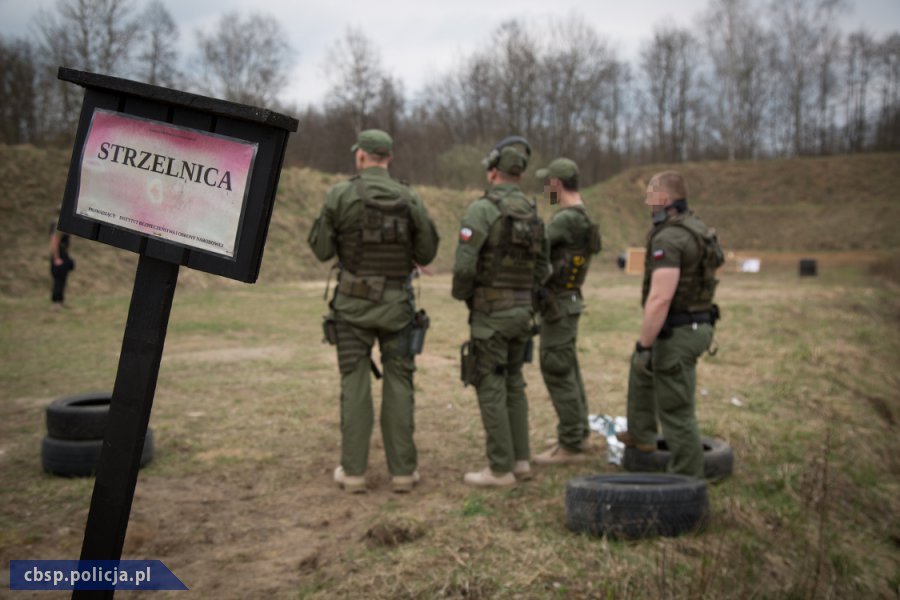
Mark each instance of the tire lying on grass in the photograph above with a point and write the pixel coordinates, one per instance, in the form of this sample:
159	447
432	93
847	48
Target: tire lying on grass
79	458
718	458
636	505
81	417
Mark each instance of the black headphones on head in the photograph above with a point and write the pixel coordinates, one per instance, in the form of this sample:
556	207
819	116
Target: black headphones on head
493	158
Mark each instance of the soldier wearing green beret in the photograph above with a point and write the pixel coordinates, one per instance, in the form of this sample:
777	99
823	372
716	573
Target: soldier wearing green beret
574	239
679	316
501	258
379	230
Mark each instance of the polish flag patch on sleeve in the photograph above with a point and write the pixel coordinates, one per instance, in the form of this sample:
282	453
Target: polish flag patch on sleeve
465	234
659	254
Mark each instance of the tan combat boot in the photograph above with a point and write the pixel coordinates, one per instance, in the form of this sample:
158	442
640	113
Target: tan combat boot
488	478
626	438
586	444
559	456
353	484
403	484
522	470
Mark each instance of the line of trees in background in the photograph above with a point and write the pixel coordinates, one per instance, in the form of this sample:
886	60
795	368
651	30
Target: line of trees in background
750	80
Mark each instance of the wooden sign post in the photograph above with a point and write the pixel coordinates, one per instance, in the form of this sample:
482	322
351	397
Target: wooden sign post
181	180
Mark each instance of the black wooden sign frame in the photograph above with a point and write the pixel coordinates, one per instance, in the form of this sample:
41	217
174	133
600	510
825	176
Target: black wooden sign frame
157	274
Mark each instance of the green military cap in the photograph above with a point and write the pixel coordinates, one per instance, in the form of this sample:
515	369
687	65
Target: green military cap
561	168
512	161
374	141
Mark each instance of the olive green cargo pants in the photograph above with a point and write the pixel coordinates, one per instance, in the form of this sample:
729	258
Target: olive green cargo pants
562	376
668	394
354	346
501	388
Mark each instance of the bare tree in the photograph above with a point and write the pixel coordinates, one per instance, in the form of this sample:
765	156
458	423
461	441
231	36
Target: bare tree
18	82
738	86
669	64
804	62
859	62
157	59
515	77
353	65
888	128
826	15
580	86
245	59
388	110
94	35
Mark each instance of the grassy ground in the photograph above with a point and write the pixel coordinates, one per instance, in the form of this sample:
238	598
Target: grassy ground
239	501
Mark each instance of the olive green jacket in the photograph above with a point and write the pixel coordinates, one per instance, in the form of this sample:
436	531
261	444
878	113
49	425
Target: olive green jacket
343	211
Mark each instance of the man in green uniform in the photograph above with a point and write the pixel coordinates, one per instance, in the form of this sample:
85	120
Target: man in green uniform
679	315
501	258
380	230
574	238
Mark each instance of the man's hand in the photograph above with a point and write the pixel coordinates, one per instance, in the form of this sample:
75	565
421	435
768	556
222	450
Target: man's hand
641	359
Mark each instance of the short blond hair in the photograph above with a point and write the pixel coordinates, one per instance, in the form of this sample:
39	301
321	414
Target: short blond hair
670	182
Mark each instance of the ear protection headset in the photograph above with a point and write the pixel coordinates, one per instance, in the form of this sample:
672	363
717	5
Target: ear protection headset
493	158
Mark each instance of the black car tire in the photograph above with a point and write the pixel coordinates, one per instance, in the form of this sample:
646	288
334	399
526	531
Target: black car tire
79	458
77	418
636	505
718	458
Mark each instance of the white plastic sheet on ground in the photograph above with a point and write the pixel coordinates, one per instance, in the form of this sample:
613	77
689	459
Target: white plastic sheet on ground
608	426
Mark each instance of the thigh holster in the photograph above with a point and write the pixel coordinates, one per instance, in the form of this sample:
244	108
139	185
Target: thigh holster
350	348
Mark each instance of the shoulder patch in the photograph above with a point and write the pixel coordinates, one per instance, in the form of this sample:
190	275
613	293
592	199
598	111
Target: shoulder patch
659	254
465	234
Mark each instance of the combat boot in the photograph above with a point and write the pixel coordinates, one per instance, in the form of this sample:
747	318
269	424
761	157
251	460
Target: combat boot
522	470
403	484
586	444
558	455
353	484
487	478
626	438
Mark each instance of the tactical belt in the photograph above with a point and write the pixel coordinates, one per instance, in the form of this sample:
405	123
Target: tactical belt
368	287
491	299
688	318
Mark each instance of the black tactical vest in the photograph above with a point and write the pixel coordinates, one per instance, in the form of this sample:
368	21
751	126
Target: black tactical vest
571	262
697	281
382	244
510	251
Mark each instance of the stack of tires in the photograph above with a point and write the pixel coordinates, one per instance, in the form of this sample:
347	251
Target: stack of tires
75	429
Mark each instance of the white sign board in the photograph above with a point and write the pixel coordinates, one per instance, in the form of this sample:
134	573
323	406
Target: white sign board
184	186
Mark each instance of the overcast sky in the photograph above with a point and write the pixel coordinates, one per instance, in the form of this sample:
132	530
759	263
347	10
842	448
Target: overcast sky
419	40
